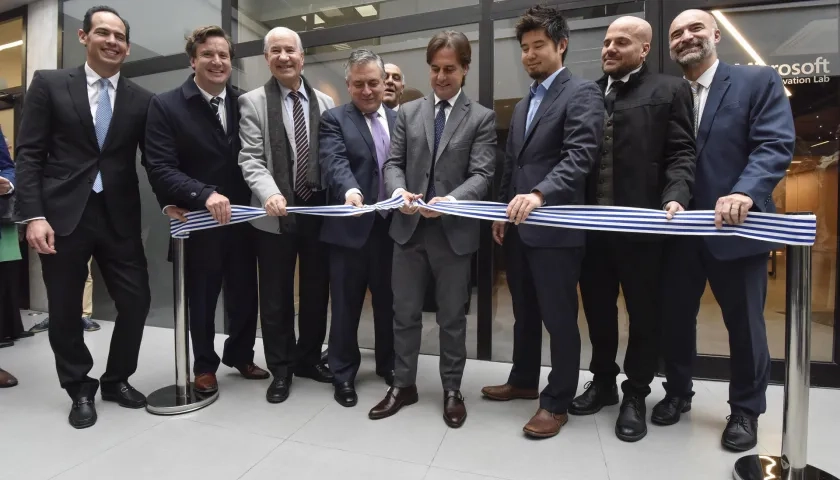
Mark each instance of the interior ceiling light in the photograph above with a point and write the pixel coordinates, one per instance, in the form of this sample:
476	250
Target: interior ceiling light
728	26
7	46
367	10
818	144
318	20
332	12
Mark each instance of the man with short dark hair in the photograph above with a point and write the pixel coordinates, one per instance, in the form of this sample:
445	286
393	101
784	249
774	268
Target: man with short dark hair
443	150
78	193
555	136
647	161
355	140
192	135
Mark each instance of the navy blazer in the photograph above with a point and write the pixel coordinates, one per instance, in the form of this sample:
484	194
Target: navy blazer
745	144
556	154
348	160
188	154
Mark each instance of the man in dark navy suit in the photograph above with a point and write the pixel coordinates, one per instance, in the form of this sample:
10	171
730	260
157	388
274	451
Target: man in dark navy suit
745	141
555	136
354	143
193	148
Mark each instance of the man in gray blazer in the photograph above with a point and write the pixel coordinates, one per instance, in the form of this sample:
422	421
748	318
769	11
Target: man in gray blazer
554	140
442	149
279	160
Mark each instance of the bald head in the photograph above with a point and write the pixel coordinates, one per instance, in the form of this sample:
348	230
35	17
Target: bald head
692	39
626	45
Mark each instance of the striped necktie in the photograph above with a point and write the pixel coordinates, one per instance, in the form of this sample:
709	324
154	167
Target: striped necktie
695	93
102	123
215	102
302	148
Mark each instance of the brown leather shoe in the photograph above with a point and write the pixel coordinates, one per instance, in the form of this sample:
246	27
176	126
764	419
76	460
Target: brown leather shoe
545	424
252	372
394	400
503	393
454	410
206	383
7	380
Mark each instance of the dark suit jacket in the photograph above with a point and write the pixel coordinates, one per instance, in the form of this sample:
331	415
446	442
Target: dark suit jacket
58	155
744	145
188	154
464	164
348	160
653	143
555	156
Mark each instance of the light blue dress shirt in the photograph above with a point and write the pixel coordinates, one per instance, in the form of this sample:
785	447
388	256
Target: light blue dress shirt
537	94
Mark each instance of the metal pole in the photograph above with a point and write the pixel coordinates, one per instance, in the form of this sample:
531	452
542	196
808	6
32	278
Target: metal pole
793	463
180	397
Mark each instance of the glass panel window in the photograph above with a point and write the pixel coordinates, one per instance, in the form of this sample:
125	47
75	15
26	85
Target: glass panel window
157	27
11	53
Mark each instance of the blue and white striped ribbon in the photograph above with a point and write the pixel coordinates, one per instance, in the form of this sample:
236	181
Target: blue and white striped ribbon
771	227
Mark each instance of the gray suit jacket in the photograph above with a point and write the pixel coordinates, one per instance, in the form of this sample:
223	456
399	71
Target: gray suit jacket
463	168
255	157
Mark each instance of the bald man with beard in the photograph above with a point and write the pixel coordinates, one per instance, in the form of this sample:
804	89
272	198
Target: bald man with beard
647	161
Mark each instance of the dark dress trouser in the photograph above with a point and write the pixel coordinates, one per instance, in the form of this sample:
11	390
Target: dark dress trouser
352	271
740	288
613	259
278	254
215	258
122	263
543	285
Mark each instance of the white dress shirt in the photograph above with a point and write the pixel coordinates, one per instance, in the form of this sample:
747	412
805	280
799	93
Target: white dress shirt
222	108
383	120
705	82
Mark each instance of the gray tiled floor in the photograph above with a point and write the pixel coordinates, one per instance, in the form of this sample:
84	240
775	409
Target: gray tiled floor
310	437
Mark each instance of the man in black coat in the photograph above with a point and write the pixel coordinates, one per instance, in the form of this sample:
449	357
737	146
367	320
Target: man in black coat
77	191
647	160
193	148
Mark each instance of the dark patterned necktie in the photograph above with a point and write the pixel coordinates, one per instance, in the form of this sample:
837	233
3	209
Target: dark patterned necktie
440	122
302	148
215	102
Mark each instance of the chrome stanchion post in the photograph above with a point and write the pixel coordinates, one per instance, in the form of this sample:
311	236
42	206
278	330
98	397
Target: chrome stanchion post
793	463
180	397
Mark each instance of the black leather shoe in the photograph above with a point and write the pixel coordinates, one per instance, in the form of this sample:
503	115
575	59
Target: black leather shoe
740	434
345	394
667	412
83	413
631	425
124	394
596	397
454	410
318	372
278	391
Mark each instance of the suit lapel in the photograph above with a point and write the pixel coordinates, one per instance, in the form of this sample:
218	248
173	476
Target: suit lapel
520	115
551	95
392	119
77	86
456	116
361	124
121	106
428	112
720	84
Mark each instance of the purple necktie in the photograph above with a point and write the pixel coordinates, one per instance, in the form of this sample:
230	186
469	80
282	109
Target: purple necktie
383	144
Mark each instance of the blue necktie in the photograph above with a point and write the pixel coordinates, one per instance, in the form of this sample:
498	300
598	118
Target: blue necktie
440	122
101	123
383	144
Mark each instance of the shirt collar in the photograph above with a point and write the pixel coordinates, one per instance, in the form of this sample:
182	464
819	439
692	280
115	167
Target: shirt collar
93	77
450	100
286	91
706	78
545	83
380	111
624	79
209	97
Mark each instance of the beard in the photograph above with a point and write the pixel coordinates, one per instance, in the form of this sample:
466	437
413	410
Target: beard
623	69
707	48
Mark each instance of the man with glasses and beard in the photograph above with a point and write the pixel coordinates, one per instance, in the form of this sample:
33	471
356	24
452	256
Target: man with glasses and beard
745	141
647	161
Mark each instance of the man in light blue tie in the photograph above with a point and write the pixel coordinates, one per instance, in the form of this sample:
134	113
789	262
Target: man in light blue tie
354	143
78	193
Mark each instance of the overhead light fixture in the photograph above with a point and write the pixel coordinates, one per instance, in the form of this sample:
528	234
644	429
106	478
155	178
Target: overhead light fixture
367	11
741	40
818	144
342	46
7	46
318	20
332	12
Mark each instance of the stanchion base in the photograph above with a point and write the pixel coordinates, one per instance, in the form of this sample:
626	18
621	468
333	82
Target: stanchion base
166	401
765	467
